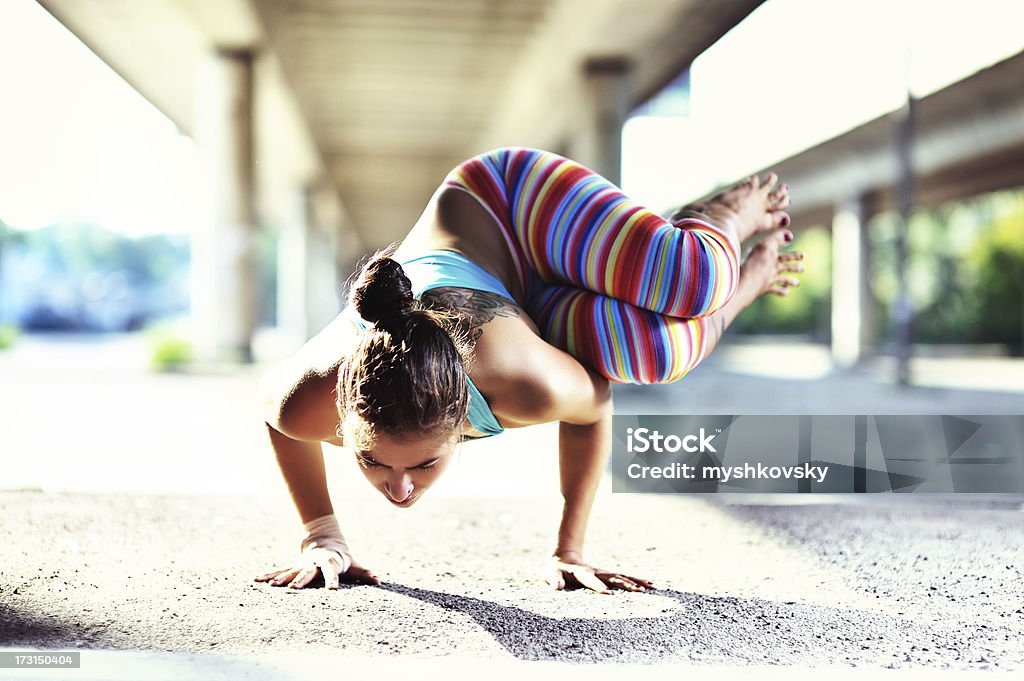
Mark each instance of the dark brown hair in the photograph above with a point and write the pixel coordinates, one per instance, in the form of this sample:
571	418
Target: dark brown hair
407	375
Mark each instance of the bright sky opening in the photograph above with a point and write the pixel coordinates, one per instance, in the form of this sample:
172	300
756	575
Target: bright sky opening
78	142
798	72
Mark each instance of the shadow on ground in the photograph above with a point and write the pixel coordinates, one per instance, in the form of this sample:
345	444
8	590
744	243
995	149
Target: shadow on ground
703	628
22	627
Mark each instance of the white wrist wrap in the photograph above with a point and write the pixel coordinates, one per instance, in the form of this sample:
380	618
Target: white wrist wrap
324	533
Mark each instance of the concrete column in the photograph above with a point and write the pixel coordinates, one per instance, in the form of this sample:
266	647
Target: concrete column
293	247
324	291
225	290
852	308
327	270
607	88
308	291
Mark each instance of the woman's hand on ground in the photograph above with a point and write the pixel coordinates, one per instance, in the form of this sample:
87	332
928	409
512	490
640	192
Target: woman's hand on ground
570	570
316	561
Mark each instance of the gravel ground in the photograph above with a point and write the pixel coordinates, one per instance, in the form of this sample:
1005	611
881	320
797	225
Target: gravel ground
157	583
929	587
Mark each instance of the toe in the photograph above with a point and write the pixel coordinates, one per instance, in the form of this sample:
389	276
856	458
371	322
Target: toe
775	220
779	198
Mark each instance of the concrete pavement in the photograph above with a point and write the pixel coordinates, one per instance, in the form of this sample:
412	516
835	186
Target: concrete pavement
157	501
937	586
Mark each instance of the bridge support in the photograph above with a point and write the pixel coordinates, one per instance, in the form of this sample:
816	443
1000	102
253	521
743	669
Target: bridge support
225	288
852	306
308	290
607	85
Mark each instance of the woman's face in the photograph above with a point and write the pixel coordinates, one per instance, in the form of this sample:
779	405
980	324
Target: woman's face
404	469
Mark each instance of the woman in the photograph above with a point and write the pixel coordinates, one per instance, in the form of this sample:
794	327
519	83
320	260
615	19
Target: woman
527	285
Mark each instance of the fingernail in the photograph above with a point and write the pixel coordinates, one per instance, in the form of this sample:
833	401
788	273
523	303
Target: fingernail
789	237
785	221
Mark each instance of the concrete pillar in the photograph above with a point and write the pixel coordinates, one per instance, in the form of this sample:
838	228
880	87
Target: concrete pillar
293	250
323	289
852	308
607	88
326	270
308	290
225	289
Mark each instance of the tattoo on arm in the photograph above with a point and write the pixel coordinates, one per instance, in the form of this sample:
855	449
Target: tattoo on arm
472	308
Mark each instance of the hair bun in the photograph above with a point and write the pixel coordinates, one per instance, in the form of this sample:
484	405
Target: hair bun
382	291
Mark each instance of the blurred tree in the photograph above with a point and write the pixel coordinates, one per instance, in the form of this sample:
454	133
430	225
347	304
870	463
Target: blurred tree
807	310
997	261
91	278
966	270
79	248
965	273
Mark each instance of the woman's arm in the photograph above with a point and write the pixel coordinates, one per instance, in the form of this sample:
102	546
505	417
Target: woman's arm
554	386
302	466
324	550
300	414
582	456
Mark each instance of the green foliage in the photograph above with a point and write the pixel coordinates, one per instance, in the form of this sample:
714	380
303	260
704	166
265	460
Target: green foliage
169	353
965	270
965	276
997	264
8	336
807	309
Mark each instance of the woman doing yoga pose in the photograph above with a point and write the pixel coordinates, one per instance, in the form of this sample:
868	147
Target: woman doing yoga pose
527	286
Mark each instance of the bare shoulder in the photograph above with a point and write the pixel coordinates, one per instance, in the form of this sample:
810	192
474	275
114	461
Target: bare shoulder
299	392
545	384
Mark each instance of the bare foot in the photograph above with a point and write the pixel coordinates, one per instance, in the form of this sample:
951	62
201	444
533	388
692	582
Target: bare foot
765	270
748	207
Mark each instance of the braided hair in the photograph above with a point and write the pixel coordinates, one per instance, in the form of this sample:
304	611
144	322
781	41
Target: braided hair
407	375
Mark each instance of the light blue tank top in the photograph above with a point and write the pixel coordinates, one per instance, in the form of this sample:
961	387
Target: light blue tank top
435	269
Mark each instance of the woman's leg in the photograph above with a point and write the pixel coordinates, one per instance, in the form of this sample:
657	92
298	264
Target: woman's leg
622	342
628	344
639	299
570	226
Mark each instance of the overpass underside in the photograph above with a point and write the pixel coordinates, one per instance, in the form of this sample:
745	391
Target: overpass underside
966	139
334	120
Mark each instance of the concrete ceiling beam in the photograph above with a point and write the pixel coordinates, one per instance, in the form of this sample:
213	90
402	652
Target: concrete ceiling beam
660	38
953	133
160	48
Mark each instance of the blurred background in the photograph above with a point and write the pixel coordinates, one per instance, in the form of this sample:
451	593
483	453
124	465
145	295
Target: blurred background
186	185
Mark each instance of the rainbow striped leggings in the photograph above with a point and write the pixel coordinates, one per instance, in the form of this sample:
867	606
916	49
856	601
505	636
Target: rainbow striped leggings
609	281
